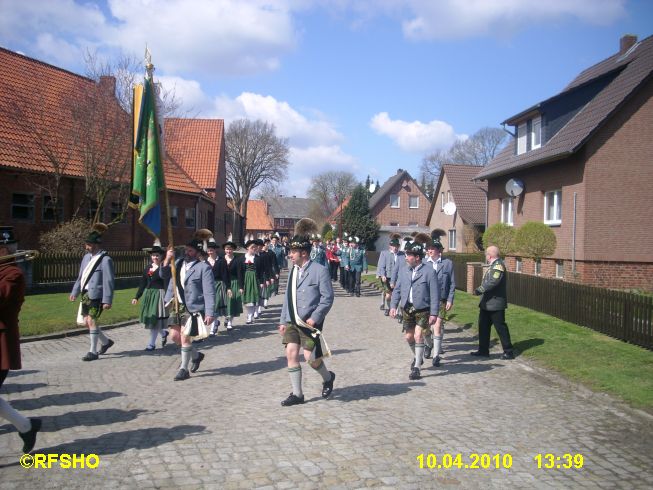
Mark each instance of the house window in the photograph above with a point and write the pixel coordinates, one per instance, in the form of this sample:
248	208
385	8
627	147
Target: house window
560	269
189	215
174	215
538	267
553	207
394	200
448	196
536	133
394	223
519	265
507	210
452	239
413	202
93	210
117	211
22	207
412	223
49	212
442	201
521	138
281	224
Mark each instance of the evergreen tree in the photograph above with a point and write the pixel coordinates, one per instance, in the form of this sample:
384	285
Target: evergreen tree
358	221
368	182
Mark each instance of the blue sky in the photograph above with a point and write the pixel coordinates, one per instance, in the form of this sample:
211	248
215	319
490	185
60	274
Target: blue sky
368	86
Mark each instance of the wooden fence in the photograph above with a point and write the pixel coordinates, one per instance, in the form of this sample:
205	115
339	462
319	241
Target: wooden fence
53	268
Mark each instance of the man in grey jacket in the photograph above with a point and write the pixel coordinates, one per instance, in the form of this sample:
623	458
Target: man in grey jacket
418	293
196	296
308	299
96	283
389	260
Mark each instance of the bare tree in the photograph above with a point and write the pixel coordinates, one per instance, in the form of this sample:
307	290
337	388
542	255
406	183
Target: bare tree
254	156
432	165
330	189
479	149
269	190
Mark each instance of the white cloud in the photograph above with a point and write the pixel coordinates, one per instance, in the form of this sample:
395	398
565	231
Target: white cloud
321	157
415	136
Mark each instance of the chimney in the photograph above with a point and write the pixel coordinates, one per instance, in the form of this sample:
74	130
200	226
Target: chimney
399	170
108	85
626	42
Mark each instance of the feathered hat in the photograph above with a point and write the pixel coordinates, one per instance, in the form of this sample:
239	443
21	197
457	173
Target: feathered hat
97	230
305	228
421	238
203	235
394	239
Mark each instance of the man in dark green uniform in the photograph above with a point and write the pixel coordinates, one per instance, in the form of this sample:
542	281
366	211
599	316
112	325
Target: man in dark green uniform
493	306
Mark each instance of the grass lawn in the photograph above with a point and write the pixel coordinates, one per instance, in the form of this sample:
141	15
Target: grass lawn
47	313
597	361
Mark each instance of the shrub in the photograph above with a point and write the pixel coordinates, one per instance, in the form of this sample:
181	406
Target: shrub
535	240
500	235
66	237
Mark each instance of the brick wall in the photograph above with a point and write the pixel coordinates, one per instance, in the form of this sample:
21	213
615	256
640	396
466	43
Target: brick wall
403	216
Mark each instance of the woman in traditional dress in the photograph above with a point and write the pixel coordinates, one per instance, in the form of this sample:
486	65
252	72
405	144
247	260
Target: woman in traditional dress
222	283
252	278
235	272
153	312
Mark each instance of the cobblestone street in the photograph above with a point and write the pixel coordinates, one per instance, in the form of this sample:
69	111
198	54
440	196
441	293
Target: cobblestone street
225	428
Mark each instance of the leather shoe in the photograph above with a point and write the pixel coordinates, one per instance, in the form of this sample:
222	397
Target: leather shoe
507	356
90	356
292	400
436	361
195	363
386	312
382	307
427	352
478	353
164	338
29	437
150	348
327	386
106	346
182	374
414	374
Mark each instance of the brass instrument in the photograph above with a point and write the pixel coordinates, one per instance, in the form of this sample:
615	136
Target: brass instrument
22	256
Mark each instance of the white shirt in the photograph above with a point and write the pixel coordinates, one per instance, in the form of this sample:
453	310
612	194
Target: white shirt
300	270
410	293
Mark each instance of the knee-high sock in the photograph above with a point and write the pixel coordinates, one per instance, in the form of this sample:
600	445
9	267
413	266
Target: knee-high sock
441	338
296	380
411	345
186	352
103	338
428	340
93	335
419	354
154	333
250	311
8	412
194	352
437	345
324	372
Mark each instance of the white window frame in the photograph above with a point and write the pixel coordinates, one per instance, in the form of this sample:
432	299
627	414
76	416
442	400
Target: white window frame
448	197
519	265
450	235
442	201
557	207
398	201
536	133
174	215
560	269
410	206
189	213
510	219
521	138
538	267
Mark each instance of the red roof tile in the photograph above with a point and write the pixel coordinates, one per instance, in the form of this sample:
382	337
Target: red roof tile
257	215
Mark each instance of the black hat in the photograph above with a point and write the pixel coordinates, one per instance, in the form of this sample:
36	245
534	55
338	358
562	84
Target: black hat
212	244
436	244
267	240
394	242
305	229
95	236
229	244
197	244
7	235
415	248
251	242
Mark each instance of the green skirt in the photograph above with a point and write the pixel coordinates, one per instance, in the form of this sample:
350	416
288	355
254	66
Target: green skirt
235	303
153	310
250	296
220	299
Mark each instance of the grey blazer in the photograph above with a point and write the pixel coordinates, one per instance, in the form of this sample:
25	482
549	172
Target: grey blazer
399	266
314	294
101	283
199	287
387	264
446	279
426	290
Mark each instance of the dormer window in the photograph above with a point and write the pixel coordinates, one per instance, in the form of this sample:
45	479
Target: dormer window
529	135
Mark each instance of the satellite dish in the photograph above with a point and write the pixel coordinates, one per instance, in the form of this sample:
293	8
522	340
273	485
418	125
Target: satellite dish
449	208
514	187
372	187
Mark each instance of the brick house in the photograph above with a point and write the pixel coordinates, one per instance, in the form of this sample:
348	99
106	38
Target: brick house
41	157
259	221
462	230
585	157
399	206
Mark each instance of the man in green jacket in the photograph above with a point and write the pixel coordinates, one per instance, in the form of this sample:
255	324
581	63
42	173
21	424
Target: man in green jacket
493	306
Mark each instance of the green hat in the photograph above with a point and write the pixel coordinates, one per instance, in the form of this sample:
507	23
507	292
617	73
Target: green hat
415	248
394	242
95	236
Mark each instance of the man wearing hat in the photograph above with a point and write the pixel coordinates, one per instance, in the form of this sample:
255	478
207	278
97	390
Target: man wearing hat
318	254
195	289
444	270
418	293
401	264
389	260
12	296
279	255
95	283
308	299
356	264
343	253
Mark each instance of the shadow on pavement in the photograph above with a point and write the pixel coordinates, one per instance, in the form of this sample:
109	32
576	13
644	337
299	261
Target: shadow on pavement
21	387
453	367
61	399
87	418
372	390
524	345
21	372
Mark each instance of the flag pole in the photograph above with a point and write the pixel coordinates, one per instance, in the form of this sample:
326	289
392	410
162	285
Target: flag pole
149	67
